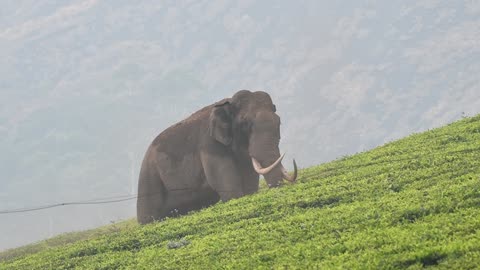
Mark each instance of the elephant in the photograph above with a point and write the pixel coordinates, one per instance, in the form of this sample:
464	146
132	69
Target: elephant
217	153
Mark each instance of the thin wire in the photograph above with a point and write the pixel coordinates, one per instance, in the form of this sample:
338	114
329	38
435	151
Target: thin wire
87	202
21	210
111	198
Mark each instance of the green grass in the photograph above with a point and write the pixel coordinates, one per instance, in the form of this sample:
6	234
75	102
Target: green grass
409	204
64	239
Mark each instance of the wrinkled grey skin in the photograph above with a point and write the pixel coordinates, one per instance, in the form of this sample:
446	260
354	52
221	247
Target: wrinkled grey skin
207	157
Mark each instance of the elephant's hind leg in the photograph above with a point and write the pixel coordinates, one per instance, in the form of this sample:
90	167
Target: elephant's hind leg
151	198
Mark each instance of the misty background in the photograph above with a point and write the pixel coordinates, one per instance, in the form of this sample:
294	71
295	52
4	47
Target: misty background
85	86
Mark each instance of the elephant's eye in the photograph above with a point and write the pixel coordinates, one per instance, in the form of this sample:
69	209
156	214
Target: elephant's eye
274	108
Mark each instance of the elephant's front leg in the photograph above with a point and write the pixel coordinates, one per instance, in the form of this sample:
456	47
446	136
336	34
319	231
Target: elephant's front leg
222	174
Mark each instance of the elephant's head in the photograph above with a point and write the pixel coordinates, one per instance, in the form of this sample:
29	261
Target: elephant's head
248	124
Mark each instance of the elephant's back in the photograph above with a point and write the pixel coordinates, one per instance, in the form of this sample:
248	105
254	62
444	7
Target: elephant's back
183	137
174	154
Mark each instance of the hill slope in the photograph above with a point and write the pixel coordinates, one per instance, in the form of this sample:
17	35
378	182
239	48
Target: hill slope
411	203
86	85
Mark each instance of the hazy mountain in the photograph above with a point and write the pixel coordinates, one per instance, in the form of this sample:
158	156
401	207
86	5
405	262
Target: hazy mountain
85	85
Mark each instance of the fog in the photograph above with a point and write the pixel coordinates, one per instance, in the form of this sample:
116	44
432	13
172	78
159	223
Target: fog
85	86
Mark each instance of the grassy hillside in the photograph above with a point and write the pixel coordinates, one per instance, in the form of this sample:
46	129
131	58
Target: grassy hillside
411	203
66	238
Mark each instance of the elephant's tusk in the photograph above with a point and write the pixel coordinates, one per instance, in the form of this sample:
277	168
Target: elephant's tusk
288	177
258	168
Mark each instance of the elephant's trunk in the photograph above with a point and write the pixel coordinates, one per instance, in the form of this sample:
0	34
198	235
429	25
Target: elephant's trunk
258	168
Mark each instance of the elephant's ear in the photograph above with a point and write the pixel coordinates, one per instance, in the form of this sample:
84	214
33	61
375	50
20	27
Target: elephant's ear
220	122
